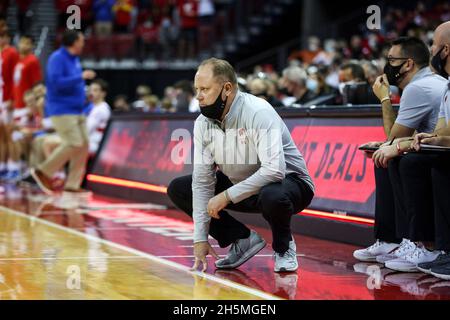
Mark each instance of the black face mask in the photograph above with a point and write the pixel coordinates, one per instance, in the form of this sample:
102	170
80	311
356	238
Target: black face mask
438	64
214	111
284	92
393	73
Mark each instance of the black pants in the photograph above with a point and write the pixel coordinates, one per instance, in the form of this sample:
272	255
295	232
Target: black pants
415	172
276	201
440	174
390	217
403	199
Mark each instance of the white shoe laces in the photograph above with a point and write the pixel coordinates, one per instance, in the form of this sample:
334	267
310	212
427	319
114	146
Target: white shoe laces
416	254
405	246
375	245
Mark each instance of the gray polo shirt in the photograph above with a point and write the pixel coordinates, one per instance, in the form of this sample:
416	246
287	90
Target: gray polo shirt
444	111
252	147
420	101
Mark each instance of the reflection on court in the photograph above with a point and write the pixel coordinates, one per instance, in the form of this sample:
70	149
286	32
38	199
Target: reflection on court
39	260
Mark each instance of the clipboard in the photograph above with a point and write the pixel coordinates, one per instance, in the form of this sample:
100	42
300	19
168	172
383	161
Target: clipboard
428	148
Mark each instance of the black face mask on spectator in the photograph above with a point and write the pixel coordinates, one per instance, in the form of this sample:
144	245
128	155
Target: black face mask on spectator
284	91
438	63
393	73
215	110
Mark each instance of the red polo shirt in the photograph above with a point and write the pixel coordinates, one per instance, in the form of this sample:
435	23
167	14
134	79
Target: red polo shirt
9	58
26	74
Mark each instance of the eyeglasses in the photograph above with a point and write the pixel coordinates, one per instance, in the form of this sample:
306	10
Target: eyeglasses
392	59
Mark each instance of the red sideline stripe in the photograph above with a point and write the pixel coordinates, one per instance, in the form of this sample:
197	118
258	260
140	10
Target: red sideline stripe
337	217
126	183
161	189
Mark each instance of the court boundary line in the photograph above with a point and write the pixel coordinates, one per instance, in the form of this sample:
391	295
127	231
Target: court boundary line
175	265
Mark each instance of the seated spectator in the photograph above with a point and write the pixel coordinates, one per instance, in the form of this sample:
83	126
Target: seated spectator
120	103
25	123
357	49
295	79
185	95
260	88
371	71
39	91
307	55
98	113
329	53
354	87
316	82
167	106
142	91
103	17
153	103
170	93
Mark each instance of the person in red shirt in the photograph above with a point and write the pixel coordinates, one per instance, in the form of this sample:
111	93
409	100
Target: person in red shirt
147	38
9	58
27	71
188	11
123	10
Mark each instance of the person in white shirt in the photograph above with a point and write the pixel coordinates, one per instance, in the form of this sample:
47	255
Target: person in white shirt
98	113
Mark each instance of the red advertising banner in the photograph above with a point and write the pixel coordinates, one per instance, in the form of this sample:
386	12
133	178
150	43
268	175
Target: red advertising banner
140	150
339	170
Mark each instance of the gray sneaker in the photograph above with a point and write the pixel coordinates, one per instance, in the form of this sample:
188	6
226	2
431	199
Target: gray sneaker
241	251
287	261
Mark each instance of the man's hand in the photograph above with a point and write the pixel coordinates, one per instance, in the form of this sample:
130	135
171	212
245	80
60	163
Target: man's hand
216	204
383	155
420	138
372	144
88	74
381	87
443	141
201	250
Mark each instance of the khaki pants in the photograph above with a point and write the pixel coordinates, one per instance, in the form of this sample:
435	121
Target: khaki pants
103	28
36	153
74	149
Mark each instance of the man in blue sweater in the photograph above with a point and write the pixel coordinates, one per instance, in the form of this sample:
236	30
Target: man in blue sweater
65	81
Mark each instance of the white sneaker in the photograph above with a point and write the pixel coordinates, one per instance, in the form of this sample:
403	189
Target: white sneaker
371	253
287	261
409	262
406	247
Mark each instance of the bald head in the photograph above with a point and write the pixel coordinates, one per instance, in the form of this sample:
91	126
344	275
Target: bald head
441	47
443	32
